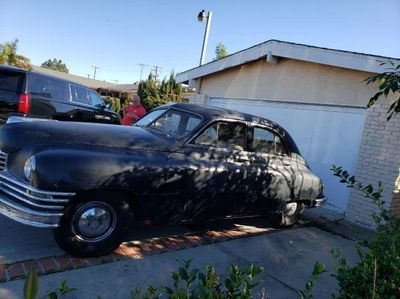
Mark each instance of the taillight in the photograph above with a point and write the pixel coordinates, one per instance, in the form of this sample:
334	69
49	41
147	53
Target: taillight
24	103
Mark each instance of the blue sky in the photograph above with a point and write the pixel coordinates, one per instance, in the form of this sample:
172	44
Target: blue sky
118	35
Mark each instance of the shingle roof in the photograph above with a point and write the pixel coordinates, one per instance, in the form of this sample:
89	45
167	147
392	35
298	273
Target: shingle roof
87	81
277	48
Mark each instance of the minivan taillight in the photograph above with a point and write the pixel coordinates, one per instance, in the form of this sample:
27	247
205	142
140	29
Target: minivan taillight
24	103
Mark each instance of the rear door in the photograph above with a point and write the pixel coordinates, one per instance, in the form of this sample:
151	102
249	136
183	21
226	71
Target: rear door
84	111
12	84
274	170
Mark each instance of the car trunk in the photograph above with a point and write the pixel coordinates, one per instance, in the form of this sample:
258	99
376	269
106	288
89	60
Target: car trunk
11	87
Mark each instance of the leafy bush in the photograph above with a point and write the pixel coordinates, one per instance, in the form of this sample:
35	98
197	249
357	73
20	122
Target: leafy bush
377	275
115	103
193	283
389	81
154	94
31	288
187	284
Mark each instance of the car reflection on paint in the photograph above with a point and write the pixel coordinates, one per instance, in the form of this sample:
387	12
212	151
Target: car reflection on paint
180	162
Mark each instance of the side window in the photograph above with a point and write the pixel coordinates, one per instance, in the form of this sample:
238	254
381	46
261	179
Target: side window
79	94
230	136
38	85
95	99
58	89
265	141
176	124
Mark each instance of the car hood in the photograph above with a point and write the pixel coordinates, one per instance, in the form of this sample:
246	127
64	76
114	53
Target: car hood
14	136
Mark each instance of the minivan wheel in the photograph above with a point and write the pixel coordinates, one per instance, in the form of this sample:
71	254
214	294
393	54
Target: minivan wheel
93	227
287	215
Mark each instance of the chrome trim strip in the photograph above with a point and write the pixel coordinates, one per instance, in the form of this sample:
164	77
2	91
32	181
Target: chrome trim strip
50	200
17	202
29	217
15	195
8	177
28	211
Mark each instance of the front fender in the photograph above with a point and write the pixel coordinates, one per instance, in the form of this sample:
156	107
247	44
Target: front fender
80	170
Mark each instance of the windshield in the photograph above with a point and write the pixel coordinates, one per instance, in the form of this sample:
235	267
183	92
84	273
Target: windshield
149	118
171	123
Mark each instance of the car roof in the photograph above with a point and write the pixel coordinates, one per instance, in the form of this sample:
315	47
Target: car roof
210	112
22	70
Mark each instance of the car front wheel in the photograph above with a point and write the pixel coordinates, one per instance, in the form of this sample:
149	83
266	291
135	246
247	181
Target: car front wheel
287	215
94	227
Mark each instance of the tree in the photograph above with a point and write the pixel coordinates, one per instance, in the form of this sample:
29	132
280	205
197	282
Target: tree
389	81
220	51
154	94
56	65
9	56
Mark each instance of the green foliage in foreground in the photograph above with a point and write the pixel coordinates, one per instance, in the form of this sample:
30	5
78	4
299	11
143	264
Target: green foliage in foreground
31	288
187	283
389	82
377	275
193	283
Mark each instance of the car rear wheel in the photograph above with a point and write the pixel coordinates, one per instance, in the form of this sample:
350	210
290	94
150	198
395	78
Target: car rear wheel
94	227
288	214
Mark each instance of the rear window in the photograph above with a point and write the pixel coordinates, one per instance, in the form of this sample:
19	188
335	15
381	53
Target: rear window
11	81
48	87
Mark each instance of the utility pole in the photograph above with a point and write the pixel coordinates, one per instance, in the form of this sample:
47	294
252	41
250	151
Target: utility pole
156	69
95	69
142	65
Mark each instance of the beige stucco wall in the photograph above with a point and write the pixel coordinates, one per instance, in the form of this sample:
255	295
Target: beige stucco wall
290	80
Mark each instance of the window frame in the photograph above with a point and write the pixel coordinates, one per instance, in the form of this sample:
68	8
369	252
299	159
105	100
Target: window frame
272	131
168	109
191	141
76	102
102	103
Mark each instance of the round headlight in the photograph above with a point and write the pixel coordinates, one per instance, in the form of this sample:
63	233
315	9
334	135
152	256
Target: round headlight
29	168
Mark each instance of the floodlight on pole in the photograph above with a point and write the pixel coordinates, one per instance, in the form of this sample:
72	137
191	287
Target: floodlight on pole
202	16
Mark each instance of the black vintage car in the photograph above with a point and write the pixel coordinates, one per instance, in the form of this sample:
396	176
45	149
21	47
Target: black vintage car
33	94
180	162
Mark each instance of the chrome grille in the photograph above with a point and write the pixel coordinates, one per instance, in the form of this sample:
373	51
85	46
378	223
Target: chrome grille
23	194
3	160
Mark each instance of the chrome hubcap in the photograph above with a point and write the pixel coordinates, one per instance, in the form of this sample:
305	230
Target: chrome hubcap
290	208
94	221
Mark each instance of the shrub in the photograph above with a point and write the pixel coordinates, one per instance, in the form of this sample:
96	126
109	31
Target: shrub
377	275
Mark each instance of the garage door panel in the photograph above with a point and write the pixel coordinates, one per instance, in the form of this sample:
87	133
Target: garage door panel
325	135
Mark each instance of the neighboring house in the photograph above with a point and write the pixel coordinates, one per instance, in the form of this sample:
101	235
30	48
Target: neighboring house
319	96
122	91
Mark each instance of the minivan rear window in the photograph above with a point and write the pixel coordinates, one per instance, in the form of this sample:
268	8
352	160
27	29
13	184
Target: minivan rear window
11	81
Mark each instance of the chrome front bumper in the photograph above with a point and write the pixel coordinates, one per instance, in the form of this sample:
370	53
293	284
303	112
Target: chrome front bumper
320	201
23	203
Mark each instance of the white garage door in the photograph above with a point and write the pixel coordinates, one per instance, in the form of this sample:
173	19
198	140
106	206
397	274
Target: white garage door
325	135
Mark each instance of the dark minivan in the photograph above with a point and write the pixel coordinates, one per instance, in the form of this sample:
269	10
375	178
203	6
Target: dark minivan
28	93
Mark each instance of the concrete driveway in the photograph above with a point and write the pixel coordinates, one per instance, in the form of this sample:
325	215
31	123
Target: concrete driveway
288	257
